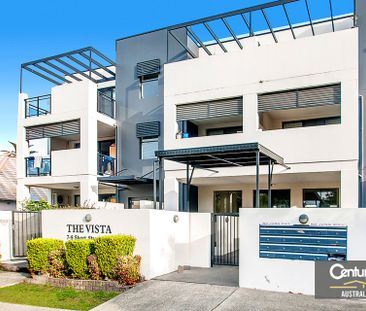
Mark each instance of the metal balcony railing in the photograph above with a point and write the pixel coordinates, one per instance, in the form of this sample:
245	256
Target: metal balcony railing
37	166
106	165
106	104
38	106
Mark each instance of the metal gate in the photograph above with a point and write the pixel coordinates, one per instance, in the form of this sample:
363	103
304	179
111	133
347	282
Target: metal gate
26	226
225	239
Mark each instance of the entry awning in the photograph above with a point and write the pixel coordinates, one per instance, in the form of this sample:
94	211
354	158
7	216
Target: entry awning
222	156
124	180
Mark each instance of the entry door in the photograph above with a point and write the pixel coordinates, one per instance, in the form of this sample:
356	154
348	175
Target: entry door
225	227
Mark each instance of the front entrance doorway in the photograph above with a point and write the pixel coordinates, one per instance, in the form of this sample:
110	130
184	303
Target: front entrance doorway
225	228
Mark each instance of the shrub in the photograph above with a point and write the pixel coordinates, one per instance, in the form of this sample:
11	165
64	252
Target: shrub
109	248
38	251
36	206
94	270
57	266
76	253
127	269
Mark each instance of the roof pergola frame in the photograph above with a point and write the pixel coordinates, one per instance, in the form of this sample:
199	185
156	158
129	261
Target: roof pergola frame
242	13
71	66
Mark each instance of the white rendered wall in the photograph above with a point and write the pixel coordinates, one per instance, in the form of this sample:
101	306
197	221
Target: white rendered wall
162	243
5	235
291	275
310	61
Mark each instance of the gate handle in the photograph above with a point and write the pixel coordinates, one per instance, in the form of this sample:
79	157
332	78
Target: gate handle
226	219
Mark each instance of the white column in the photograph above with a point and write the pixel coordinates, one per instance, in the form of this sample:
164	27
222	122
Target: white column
89	191
349	188
23	193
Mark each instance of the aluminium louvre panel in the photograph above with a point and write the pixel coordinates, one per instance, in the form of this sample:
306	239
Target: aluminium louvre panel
53	130
148	129
148	67
300	98
210	109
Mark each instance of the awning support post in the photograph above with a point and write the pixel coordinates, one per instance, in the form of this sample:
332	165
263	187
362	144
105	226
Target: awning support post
154	182
161	183
257	162
269	183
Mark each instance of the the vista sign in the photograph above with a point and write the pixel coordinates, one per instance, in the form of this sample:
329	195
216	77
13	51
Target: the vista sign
86	231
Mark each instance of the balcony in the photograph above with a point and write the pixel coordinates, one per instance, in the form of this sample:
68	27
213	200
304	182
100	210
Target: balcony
38	166
37	106
106	165
106	102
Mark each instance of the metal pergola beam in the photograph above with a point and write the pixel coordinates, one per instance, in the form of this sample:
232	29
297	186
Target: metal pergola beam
190	31
331	14
42	75
89	68
269	25
247	23
51	73
289	21
97	63
213	34
61	70
309	15
182	44
227	25
75	69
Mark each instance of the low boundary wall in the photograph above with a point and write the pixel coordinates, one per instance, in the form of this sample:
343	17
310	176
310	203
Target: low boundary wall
5	235
165	239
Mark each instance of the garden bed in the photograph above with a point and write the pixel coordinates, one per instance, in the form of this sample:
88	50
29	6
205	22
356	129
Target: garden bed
87	285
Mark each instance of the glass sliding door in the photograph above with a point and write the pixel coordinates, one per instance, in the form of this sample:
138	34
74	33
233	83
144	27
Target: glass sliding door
227	201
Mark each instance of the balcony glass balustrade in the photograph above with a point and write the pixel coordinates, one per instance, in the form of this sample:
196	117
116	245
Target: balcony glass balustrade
37	106
38	166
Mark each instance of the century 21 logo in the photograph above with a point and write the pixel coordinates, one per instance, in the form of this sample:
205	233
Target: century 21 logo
338	272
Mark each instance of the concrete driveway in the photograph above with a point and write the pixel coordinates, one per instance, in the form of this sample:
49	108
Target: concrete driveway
169	295
11	278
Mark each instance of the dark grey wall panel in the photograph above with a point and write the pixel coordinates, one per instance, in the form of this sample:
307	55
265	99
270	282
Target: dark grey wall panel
130	108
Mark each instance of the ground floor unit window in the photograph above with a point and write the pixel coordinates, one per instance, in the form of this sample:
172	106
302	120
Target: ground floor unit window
320	198
279	198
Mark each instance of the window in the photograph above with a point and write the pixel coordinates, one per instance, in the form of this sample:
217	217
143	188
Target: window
279	198
320	198
149	87
312	122
227	201
148	147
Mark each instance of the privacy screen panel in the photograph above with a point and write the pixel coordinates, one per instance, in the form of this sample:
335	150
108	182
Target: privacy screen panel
210	109
301	242
53	130
300	98
147	68
148	129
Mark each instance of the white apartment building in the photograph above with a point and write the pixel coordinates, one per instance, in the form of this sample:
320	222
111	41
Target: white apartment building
251	113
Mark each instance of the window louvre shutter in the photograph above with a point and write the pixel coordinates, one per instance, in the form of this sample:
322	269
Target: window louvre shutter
300	98
53	130
148	129
210	109
148	67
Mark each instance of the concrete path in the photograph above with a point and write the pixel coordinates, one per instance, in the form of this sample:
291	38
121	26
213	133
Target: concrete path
11	278
168	295
218	275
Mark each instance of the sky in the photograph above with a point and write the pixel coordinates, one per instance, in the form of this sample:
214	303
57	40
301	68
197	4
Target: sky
39	28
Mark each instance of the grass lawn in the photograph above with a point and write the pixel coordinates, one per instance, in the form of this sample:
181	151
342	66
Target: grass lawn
53	297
